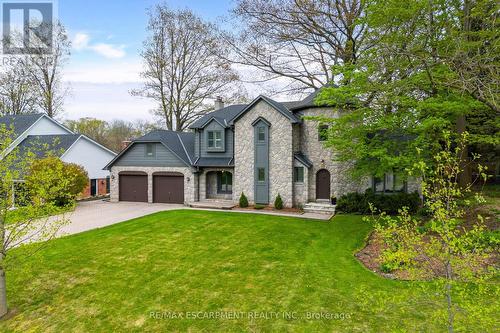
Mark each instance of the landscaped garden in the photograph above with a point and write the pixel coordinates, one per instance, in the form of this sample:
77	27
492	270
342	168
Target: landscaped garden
181	270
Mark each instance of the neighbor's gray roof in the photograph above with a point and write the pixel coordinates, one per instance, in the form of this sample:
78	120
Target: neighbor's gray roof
19	123
214	162
45	145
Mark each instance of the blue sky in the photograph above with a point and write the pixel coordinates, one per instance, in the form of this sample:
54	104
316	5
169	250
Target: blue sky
107	36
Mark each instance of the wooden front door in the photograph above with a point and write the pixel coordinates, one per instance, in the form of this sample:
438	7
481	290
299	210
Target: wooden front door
323	184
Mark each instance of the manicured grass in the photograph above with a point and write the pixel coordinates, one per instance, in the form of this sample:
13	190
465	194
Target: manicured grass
110	280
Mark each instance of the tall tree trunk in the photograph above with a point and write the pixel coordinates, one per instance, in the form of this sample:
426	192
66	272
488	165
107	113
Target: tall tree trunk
3	294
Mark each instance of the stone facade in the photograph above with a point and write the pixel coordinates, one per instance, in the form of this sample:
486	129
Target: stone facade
323	158
208	184
190	181
285	139
301	190
280	154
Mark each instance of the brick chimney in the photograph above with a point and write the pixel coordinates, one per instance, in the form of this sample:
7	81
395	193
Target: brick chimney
125	144
219	103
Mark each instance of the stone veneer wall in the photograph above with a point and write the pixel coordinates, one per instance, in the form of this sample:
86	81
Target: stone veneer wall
322	158
301	190
190	193
280	154
203	184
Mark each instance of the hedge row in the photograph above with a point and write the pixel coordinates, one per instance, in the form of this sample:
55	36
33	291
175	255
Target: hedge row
389	203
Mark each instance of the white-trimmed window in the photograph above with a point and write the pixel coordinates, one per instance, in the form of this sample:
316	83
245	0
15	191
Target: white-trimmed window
214	139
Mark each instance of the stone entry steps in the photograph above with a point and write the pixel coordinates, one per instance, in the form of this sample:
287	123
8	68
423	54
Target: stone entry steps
213	204
319	208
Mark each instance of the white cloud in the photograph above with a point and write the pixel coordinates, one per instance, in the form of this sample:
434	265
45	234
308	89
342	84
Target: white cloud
104	72
109	51
107	102
81	42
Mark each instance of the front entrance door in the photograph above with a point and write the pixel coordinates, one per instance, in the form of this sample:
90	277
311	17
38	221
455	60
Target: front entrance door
93	187
323	184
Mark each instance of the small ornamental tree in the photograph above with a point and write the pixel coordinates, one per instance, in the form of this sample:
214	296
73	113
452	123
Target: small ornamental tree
52	181
449	251
243	200
28	224
278	202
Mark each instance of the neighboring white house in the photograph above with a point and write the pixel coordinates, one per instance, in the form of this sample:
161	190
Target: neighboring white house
40	133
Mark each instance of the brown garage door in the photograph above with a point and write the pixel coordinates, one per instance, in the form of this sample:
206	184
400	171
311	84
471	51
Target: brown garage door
134	188
168	189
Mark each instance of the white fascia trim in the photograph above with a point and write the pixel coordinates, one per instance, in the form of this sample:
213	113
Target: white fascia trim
72	145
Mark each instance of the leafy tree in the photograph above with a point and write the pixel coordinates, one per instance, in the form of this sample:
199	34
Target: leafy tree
93	128
30	226
183	65
447	249
296	42
52	181
16	92
407	87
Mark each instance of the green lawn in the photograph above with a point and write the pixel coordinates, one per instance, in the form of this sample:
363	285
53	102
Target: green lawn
110	280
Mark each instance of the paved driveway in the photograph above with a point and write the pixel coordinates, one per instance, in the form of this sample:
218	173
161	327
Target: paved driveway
97	214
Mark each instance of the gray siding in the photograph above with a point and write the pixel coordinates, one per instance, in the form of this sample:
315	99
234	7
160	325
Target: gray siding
228	141
136	156
196	143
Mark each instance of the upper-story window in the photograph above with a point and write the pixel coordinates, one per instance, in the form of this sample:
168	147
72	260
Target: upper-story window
261	134
215	139
322	132
150	150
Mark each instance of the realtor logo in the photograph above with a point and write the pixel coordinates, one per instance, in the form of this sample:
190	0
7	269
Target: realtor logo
27	27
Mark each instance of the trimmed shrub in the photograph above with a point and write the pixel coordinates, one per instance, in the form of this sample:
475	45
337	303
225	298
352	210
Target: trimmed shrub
243	200
278	203
389	203
51	181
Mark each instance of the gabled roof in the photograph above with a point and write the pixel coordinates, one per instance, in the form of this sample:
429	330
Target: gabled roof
181	144
45	145
276	105
20	123
303	159
222	116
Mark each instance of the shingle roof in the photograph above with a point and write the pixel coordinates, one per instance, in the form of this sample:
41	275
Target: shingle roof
214	162
20	123
224	115
44	145
307	102
303	159
180	143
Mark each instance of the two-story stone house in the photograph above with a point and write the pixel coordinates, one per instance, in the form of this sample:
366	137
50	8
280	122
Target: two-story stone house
260	149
